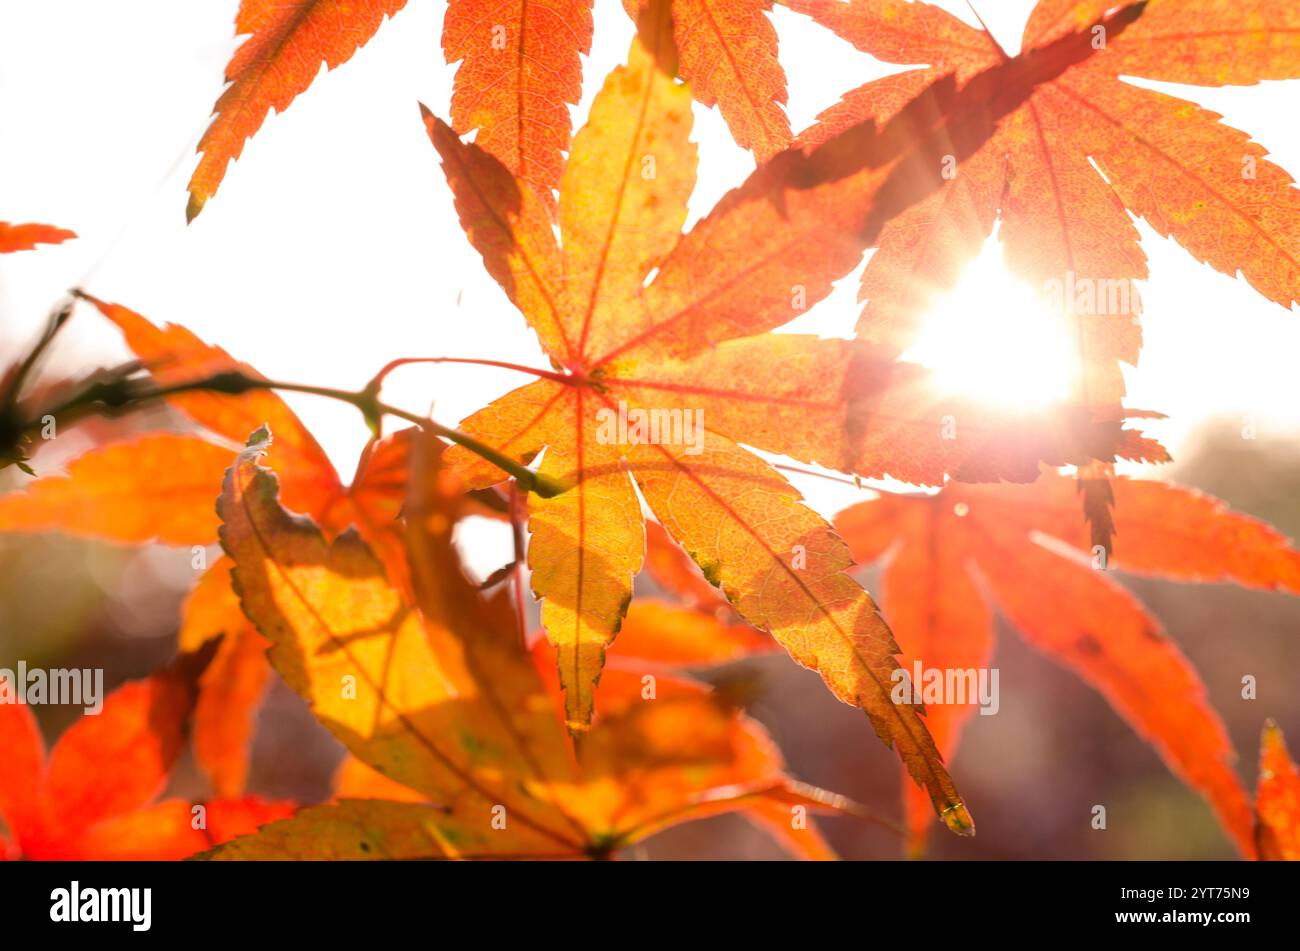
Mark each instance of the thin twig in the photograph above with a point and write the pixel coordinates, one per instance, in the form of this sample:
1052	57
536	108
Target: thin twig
127	394
58	318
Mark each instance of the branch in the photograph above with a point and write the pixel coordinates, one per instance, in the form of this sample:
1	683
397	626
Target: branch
128	394
14	385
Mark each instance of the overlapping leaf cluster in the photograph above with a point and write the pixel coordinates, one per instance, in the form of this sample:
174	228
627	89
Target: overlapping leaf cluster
467	742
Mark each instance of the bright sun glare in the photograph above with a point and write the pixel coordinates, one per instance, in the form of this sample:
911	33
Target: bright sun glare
994	339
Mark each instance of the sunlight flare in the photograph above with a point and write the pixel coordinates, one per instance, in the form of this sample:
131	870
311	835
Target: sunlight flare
993	338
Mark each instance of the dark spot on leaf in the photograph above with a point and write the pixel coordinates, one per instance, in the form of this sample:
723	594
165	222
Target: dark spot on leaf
1089	645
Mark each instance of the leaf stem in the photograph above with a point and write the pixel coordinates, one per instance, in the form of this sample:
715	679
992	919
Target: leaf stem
127	394
472	361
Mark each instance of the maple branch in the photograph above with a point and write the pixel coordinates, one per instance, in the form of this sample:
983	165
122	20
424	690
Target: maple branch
58	317
125	393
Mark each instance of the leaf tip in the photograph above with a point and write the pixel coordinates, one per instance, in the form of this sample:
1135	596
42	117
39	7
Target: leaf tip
194	206
433	124
577	728
958	818
1271	740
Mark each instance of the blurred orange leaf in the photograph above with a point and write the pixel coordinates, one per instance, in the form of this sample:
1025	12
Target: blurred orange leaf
26	237
1277	799
950	558
94	797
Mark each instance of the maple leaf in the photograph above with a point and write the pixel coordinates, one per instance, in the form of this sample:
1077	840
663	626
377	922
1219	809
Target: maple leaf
1277	799
727	53
1085	146
691	343
26	237
444	700
703	630
287	42
95	796
953	556
180	476
674	636
100	495
519	72
657	765
674	571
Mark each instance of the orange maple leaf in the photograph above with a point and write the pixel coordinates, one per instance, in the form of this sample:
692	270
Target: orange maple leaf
701	631
95	796
1277	799
658	632
180	476
26	237
444	700
287	42
727	53
691	344
1063	221
953	556
519	72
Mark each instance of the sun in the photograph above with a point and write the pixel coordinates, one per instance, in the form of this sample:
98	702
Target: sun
994	339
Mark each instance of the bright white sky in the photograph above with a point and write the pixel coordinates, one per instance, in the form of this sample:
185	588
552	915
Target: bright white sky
333	247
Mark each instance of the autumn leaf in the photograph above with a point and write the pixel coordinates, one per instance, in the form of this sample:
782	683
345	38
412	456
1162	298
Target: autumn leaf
727	52
173	355
520	70
676	636
26	237
286	43
690	345
1277	799
703	630
952	557
99	497
180	475
232	687
647	762
1084	149
95	797
443	699
672	569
